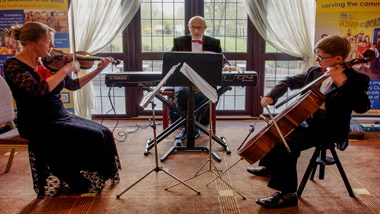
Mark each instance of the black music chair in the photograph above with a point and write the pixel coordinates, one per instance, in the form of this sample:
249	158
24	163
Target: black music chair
320	158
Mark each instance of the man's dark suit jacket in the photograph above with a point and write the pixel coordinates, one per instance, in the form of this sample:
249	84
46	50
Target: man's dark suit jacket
183	43
340	102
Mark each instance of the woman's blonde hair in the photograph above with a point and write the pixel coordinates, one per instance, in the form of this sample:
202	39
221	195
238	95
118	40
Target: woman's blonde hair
31	32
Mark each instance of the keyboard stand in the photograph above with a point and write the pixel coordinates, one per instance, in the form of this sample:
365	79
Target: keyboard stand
189	119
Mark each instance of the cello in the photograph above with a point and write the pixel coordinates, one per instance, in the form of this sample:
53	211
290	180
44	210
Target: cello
291	117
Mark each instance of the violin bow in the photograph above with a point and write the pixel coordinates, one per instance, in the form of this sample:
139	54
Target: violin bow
73	33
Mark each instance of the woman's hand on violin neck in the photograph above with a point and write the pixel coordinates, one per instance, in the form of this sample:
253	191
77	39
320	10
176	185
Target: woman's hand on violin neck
104	62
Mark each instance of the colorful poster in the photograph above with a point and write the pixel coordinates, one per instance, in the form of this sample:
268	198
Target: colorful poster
359	21
53	13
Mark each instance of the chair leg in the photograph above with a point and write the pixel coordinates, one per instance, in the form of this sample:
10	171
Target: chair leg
165	116
317	162
10	160
342	173
213	113
321	163
312	174
310	169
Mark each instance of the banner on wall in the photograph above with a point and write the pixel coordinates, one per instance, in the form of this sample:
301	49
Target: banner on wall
53	13
359	22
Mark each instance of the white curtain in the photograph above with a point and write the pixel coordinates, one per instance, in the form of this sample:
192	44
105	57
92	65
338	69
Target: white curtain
96	24
287	25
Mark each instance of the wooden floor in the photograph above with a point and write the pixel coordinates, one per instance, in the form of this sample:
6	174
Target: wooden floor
235	192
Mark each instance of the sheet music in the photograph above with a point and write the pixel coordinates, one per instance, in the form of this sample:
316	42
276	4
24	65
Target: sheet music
147	98
199	82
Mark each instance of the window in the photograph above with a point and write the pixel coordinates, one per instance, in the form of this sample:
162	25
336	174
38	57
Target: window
277	70
159	21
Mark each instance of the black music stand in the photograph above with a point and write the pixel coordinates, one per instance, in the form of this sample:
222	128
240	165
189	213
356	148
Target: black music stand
251	130
201	70
178	123
212	168
144	103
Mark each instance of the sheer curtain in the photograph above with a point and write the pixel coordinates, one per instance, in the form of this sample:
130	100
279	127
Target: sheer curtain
96	24
288	25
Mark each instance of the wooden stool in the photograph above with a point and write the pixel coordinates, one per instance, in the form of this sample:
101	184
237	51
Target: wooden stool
319	158
165	109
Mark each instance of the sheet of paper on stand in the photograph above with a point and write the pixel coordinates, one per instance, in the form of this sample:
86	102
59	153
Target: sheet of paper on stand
199	82
147	98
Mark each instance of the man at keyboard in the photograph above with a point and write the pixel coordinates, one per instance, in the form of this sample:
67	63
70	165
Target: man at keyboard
196	41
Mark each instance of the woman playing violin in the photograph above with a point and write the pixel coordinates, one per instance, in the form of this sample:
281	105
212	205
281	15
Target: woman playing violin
67	154
345	91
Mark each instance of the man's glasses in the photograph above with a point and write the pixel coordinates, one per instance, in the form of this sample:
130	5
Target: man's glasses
197	27
317	57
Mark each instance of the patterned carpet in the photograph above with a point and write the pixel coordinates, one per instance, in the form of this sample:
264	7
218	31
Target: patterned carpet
148	186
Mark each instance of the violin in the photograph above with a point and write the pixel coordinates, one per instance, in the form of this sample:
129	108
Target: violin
58	59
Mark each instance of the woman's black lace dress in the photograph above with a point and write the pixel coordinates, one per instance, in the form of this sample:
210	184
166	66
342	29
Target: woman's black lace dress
67	154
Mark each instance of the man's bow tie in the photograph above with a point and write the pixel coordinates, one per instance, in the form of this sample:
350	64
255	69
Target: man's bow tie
197	41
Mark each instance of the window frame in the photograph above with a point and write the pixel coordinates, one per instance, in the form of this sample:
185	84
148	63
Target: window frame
133	57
